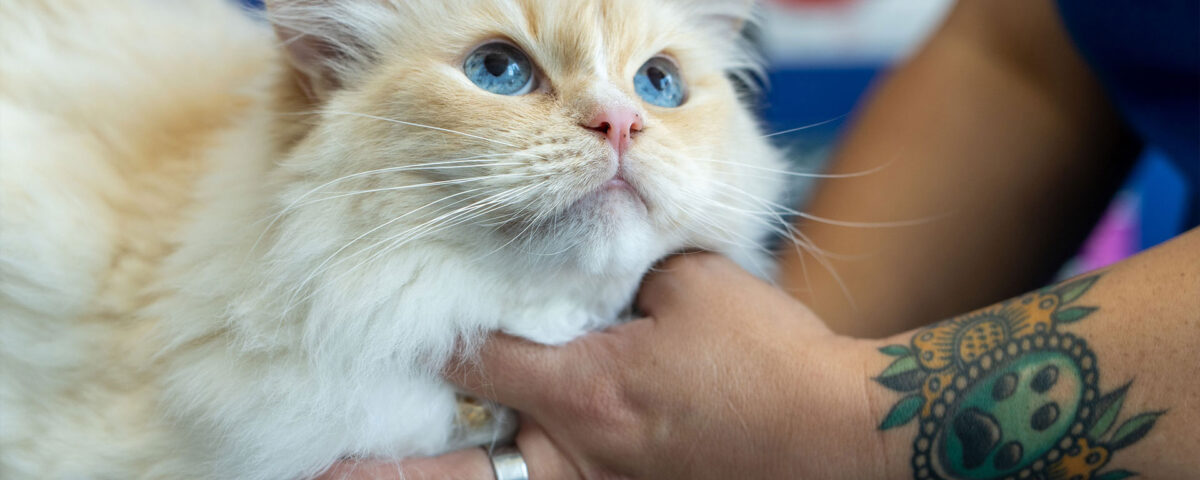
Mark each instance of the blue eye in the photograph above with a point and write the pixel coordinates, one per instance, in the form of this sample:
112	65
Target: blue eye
500	68
658	83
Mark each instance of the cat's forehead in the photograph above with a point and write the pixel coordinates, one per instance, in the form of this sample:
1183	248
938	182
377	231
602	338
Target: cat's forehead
579	36
579	33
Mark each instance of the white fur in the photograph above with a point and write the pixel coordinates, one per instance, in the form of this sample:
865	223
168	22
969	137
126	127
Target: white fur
204	300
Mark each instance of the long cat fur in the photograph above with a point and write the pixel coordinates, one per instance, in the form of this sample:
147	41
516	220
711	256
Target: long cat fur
225	256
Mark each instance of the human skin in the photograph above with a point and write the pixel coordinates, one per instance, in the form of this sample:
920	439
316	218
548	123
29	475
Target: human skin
999	134
623	421
731	378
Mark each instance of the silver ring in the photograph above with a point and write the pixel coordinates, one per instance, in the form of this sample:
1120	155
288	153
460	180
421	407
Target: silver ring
509	464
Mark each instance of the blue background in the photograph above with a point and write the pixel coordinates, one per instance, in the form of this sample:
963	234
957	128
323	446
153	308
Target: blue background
804	95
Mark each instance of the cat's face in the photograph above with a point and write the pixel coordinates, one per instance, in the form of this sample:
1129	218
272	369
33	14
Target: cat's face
605	131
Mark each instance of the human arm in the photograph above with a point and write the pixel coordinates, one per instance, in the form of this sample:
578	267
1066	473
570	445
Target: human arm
999	134
1121	346
731	378
661	398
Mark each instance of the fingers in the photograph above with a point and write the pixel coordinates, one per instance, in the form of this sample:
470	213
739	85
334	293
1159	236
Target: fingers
515	372
542	457
708	290
686	279
470	464
525	375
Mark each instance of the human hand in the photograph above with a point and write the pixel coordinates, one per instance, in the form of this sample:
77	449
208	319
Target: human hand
728	377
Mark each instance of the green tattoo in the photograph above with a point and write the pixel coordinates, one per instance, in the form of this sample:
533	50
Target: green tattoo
1002	393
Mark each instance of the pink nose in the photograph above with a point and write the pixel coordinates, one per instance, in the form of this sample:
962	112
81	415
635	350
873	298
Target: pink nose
618	124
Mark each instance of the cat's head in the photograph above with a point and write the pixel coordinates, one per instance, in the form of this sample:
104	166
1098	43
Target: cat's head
603	132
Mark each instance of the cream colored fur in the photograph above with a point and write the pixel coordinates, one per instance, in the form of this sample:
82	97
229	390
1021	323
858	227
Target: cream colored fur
200	279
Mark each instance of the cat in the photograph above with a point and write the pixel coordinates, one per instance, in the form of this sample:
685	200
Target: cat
239	247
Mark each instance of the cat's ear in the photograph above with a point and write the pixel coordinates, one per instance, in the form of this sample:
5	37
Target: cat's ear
328	42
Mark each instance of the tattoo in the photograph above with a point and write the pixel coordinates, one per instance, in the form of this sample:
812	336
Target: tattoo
1002	393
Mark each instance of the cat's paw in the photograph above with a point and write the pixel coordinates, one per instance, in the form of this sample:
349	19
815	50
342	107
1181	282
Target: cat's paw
482	423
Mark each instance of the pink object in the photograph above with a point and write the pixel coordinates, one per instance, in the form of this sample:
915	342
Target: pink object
816	3
617	124
1115	238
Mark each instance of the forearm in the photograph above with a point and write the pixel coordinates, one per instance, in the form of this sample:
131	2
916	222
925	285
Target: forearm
1050	376
997	134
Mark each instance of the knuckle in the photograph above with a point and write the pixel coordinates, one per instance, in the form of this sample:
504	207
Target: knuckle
605	406
702	263
684	271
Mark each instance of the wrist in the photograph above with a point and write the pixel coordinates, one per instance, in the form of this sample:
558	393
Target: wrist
898	394
834	413
880	455
870	451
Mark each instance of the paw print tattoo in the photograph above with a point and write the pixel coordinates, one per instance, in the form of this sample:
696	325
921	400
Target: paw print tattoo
1003	394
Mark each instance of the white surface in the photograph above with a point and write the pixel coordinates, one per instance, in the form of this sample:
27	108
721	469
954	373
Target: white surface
867	31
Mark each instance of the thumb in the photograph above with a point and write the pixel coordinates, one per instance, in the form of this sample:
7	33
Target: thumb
512	371
680	281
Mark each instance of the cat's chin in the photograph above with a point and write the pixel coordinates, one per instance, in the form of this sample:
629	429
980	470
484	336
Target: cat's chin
619	184
608	232
614	201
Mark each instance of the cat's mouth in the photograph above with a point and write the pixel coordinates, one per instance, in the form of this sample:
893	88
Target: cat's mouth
620	185
613	194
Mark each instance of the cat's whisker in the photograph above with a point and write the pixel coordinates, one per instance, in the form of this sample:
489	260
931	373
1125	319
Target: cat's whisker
295	290
722	233
317	271
900	224
320	267
480	160
824	176
719	229
802	241
363	280
808	127
419	125
457	181
440	223
364	192
782	227
841	223
538	219
443	223
779	225
529	224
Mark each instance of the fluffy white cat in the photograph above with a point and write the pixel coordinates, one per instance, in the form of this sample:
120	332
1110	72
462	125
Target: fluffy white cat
228	256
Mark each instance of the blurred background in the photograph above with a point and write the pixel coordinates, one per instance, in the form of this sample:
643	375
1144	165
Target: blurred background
825	55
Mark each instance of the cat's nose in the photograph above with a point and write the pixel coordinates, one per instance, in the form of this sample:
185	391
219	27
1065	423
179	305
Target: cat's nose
617	124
